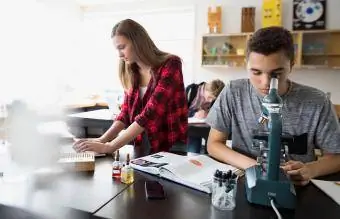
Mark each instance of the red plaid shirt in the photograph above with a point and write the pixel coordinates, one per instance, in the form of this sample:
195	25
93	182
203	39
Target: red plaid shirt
163	110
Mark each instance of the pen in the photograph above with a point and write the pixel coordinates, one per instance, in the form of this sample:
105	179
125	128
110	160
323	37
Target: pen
224	178
229	185
218	177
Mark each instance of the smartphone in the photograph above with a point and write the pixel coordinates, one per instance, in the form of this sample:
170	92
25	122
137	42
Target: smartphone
154	190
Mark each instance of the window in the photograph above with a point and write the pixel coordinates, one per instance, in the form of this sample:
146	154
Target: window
38	47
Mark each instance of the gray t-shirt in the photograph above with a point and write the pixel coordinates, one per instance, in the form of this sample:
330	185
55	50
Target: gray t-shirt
305	110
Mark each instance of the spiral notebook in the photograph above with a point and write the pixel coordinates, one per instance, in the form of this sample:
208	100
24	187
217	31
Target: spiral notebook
194	120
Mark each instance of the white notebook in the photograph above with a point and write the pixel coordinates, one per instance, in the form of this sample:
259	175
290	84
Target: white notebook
331	188
194	120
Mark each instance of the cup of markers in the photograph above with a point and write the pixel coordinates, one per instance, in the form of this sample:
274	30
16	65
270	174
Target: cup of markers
224	188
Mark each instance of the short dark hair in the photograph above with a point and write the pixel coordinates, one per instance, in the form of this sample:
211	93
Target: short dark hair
270	40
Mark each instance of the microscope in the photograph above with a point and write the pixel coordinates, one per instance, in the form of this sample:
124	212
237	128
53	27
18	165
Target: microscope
269	182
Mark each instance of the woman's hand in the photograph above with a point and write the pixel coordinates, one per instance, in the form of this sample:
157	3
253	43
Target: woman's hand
78	141
91	145
201	114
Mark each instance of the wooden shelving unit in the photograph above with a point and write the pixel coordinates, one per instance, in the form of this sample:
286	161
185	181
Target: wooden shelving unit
227	55
313	49
224	50
321	48
297	37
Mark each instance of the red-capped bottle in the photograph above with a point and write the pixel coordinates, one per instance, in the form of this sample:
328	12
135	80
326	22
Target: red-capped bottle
116	166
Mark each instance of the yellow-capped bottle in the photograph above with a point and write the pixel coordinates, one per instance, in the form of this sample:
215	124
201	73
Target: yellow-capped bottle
127	176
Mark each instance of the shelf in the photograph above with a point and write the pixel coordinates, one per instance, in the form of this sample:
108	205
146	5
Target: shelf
315	31
318	67
314	66
320	54
306	55
293	32
229	55
226	34
227	48
218	66
222	66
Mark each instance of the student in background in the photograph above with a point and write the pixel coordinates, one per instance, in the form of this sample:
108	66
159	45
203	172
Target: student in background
306	112
200	98
154	111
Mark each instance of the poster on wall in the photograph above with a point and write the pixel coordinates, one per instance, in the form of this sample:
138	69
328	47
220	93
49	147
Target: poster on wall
309	14
271	13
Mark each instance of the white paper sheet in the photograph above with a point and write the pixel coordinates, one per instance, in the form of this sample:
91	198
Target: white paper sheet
330	188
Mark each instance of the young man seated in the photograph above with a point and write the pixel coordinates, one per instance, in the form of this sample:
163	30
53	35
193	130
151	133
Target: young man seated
306	111
200	98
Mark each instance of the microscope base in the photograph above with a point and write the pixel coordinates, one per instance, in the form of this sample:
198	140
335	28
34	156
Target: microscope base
260	190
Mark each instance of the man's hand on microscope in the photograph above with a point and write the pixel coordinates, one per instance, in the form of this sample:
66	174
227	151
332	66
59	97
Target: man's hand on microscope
300	173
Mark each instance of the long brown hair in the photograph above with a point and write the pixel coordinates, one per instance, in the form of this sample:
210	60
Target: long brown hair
215	87
144	48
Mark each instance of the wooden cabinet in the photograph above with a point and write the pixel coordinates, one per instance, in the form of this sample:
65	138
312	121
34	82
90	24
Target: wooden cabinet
313	49
320	49
337	110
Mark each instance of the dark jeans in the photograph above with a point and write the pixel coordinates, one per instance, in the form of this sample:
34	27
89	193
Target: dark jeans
178	147
194	145
146	144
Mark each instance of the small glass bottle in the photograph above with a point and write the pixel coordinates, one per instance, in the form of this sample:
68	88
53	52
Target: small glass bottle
215	28
116	166
127	172
208	29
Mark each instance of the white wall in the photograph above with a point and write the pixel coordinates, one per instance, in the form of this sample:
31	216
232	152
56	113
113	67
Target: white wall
326	80
38	48
47	45
159	18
